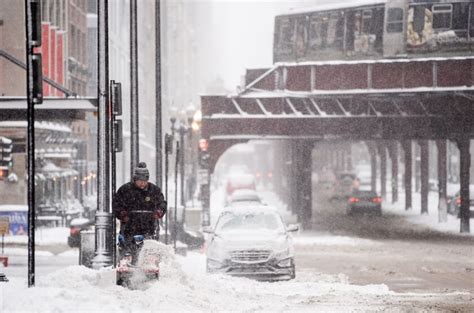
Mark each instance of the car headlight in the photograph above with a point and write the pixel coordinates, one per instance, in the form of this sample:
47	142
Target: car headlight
285	262
217	250
213	264
282	254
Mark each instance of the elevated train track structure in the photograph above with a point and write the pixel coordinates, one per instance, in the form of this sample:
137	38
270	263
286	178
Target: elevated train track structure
388	99
375	70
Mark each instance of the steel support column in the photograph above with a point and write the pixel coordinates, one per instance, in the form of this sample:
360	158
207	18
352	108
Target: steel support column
373	165
278	171
294	176
349	157
442	181
383	168
394	158
465	164
134	139
407	148
103	217
425	174
305	186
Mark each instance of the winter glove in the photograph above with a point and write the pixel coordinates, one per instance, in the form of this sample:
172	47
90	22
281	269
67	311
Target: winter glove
159	214
123	216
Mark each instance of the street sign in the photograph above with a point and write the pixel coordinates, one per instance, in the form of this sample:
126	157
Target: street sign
203	177
4	225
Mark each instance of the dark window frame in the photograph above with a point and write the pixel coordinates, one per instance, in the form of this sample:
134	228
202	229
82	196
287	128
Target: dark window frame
394	20
444	11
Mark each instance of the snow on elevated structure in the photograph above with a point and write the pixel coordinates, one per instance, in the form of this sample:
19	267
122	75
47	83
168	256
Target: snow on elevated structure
335	5
38	125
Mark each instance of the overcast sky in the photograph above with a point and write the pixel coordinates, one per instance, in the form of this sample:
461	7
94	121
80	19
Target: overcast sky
242	33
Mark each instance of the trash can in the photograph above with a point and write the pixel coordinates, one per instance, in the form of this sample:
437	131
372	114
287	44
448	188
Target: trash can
87	248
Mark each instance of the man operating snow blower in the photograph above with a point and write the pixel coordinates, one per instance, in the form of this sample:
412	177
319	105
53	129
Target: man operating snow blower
138	205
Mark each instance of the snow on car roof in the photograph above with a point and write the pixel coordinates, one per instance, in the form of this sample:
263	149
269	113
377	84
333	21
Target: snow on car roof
244	193
250	209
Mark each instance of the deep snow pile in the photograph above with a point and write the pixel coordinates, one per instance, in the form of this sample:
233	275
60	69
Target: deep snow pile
183	286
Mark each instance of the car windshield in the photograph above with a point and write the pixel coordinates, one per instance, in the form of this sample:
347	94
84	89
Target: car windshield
249	222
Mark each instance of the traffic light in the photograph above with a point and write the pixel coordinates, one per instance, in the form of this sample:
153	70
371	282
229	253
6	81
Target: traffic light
203	154
6	161
116	106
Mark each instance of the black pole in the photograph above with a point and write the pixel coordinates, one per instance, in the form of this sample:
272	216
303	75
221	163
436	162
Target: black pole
175	224
113	144
182	131
134	140
103	217
158	111
31	138
166	184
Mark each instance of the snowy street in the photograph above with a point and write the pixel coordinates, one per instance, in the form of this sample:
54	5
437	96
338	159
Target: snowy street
359	263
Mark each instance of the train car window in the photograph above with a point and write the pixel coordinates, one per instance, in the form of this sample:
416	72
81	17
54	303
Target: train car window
395	20
285	36
324	31
442	16
314	32
367	22
471	22
377	25
301	37
334	32
461	17
419	18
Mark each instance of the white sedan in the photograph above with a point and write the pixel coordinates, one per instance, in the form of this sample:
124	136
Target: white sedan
251	242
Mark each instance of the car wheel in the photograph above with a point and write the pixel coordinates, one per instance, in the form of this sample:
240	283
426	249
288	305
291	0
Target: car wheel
293	271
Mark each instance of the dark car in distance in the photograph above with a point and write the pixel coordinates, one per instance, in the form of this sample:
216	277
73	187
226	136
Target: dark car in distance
364	201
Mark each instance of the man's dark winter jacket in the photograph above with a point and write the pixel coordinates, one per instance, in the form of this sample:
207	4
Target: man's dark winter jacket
130	198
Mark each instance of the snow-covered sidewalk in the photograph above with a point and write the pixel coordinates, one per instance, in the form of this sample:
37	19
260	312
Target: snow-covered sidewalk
184	286
430	220
44	236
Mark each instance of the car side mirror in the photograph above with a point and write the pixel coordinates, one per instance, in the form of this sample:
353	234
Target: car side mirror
292	228
207	230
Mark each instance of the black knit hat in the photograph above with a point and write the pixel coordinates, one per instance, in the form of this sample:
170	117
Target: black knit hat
141	172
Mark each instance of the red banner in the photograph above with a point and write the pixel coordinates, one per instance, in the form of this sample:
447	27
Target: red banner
52	60
45	55
59	61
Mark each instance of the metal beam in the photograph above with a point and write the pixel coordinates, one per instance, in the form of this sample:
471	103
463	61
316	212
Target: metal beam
49	81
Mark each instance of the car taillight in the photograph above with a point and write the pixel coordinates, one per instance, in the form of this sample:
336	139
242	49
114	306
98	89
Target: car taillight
74	231
353	200
377	200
